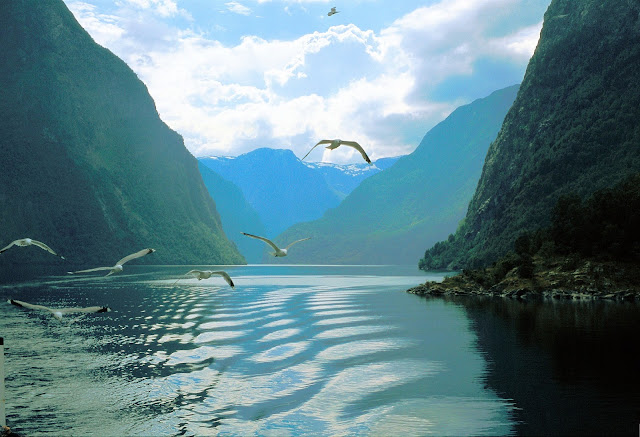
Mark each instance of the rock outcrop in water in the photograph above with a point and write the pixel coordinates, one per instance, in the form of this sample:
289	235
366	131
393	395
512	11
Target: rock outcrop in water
590	250
87	164
572	129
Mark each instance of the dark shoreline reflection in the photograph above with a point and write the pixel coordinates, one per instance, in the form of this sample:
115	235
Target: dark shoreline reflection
572	368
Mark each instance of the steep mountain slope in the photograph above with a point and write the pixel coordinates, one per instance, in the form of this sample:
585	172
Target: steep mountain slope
235	212
390	217
278	185
87	164
573	129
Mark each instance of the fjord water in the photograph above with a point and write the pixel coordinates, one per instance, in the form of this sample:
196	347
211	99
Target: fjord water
311	350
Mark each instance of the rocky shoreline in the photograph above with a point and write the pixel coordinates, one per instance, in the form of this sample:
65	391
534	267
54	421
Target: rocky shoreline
560	278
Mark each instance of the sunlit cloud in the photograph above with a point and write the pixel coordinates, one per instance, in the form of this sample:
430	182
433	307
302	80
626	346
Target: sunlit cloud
341	82
238	8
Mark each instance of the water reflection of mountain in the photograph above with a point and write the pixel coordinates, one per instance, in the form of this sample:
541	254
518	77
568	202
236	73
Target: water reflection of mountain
572	367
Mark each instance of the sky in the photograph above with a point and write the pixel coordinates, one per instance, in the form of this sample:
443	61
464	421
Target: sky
234	76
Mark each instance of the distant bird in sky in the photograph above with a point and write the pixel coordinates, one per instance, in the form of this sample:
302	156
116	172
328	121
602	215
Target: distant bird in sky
58	312
334	144
118	267
206	274
29	242
278	252
332	11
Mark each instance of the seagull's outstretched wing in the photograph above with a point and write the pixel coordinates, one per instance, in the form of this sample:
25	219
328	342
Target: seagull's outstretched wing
297	241
359	148
58	312
30	306
320	142
127	258
226	277
266	240
7	247
97	269
83	310
41	245
190	272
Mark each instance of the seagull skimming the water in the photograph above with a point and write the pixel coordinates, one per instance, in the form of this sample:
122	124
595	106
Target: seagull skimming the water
29	242
206	274
332	11
58	312
334	144
118	267
278	252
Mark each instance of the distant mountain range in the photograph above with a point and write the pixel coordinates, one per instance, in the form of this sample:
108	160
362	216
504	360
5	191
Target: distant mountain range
344	178
284	190
88	167
573	129
391	216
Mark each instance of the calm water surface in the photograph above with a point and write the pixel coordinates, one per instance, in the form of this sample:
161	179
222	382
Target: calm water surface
311	350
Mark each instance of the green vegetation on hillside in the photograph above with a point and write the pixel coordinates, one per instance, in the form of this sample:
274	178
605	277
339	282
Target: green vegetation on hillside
87	164
572	129
391	216
591	246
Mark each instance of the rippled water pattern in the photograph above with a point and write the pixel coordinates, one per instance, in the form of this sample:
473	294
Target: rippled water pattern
292	350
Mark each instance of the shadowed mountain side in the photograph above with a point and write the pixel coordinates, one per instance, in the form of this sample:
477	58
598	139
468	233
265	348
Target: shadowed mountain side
278	186
390	217
572	129
236	214
88	166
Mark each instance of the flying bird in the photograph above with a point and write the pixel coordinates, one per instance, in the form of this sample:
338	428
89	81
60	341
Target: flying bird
206	274
58	312
334	144
332	11
278	252
29	242
118	267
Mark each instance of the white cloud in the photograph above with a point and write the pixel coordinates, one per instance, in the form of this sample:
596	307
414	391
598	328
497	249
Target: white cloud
104	29
165	8
238	8
343	82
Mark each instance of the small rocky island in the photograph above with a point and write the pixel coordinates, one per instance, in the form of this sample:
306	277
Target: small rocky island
557	278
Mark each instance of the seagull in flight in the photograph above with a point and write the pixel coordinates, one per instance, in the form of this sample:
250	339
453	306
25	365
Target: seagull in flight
118	267
334	144
278	252
58	312
332	11
206	274
29	242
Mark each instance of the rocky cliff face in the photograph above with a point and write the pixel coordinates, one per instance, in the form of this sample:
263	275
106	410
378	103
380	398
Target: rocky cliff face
87	164
572	129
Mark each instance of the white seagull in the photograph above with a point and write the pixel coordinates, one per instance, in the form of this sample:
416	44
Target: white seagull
334	144
118	267
278	251
58	312
206	274
332	11
29	242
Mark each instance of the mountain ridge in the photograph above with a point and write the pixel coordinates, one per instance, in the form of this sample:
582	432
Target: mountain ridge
112	178
572	129
389	216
